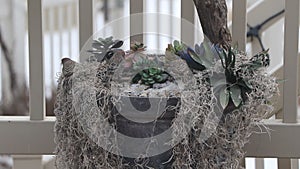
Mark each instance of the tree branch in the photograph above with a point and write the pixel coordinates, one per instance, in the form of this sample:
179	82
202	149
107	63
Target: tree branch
213	19
12	73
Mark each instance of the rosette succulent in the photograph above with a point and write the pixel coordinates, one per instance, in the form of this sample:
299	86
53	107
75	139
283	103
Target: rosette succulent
151	76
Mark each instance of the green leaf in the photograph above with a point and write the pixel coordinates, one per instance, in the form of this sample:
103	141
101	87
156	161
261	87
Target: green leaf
153	71
235	93
207	48
201	60
151	82
176	43
145	75
136	78
219	83
224	98
195	56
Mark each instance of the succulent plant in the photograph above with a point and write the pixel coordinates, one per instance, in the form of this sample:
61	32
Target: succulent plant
137	46
151	76
176	47
234	87
104	49
199	59
229	85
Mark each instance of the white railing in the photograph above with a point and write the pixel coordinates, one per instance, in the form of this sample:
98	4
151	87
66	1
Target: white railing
33	135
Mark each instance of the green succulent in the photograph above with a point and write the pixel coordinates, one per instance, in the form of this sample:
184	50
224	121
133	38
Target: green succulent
137	46
151	76
234	87
144	62
176	47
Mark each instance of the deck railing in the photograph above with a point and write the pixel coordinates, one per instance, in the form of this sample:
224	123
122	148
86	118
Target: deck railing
33	135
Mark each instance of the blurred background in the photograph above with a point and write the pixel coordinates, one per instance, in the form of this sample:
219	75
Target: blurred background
61	40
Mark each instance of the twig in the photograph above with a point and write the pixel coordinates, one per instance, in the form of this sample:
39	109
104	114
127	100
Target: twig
12	73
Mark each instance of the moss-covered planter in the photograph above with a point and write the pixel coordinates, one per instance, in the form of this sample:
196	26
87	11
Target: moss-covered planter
149	129
220	103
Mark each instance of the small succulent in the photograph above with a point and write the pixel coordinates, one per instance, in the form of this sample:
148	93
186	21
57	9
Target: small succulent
134	55
151	76
104	49
176	47
137	46
144	62
199	59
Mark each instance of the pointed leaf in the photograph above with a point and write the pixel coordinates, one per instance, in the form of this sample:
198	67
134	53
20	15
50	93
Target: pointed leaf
201	60
224	98
220	82
117	44
199	50
176	43
194	56
209	55
235	93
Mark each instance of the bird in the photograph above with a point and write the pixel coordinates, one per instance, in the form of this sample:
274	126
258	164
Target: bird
261	59
68	67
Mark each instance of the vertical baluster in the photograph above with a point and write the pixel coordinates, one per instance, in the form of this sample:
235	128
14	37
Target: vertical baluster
158	39
51	23
259	163
136	21
239	23
69	27
36	76
295	164
284	163
291	41
85	22
187	24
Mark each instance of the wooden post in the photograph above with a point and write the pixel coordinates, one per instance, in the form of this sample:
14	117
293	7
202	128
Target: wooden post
136	21
291	41
239	23
36	62
85	22
187	25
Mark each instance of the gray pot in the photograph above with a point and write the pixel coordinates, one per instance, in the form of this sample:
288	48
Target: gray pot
143	125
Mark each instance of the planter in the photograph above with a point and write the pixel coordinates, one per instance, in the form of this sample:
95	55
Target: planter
146	129
216	116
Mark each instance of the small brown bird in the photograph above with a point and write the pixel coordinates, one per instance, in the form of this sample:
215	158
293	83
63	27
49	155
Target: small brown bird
68	66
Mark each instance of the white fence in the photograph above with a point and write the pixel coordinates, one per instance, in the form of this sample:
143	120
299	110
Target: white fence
33	135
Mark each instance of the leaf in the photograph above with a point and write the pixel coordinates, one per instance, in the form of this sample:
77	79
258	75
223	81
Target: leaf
224	98
117	44
201	60
218	83
235	93
176	43
207	48
199	49
194	56
136	78
98	45
145	75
